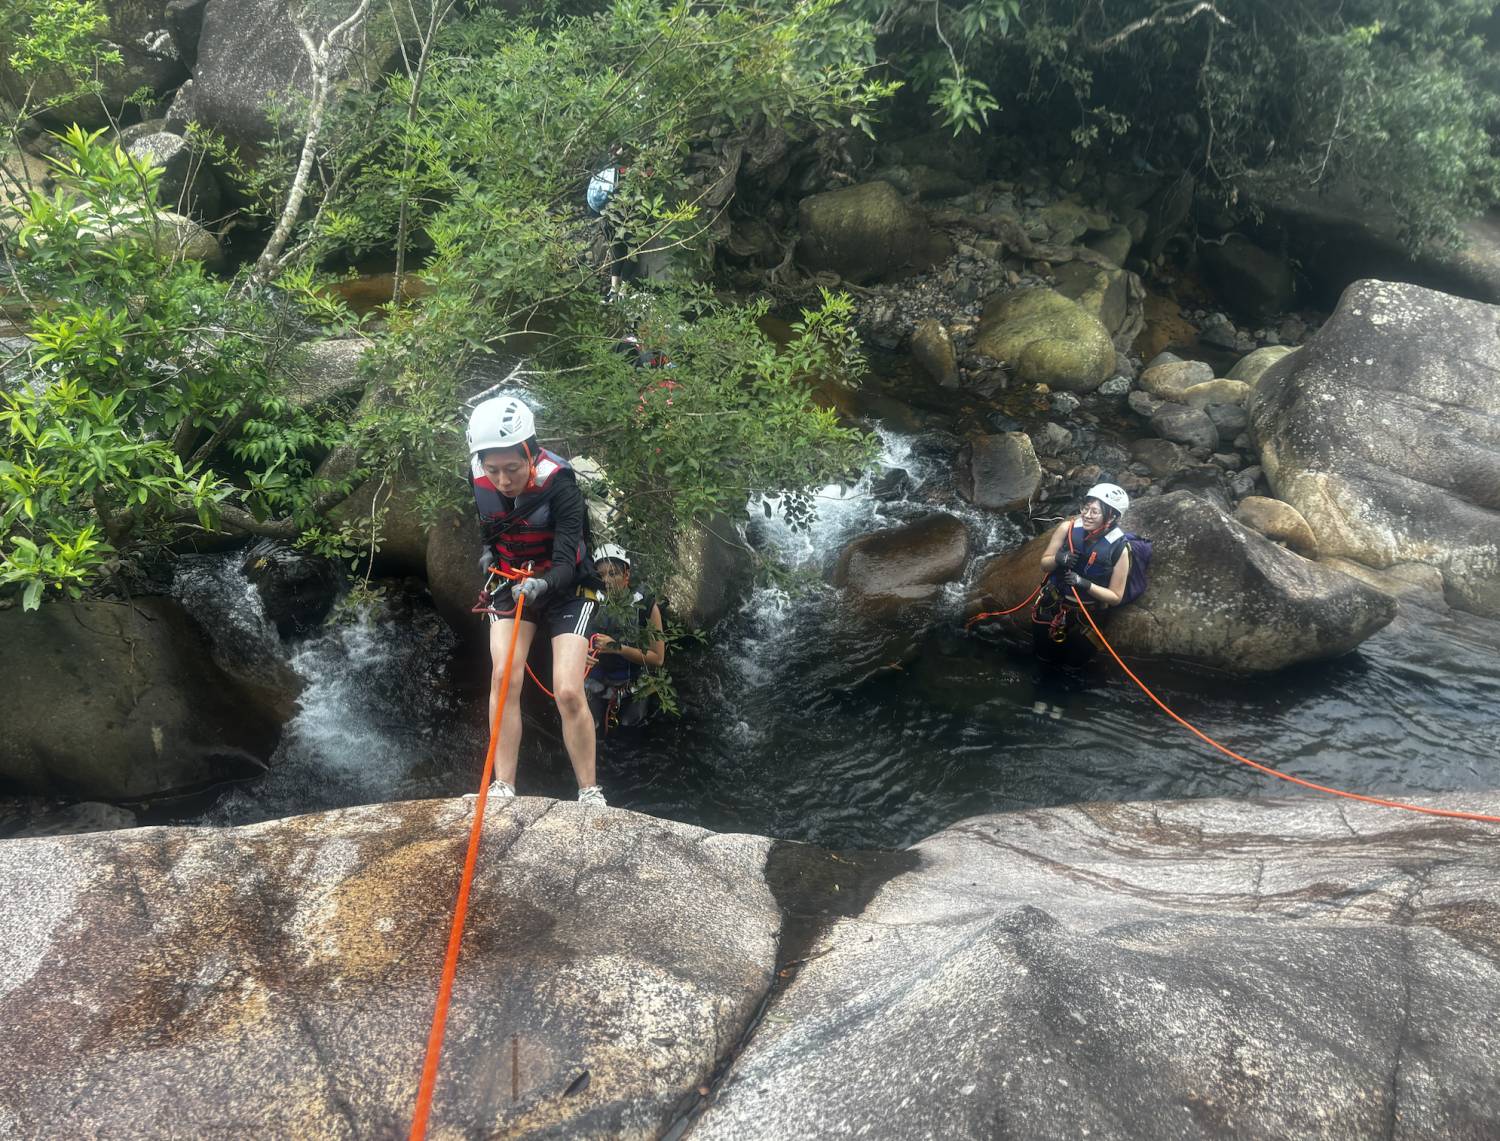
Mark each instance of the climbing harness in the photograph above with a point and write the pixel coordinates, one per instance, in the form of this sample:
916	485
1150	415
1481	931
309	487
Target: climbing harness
485	605
461	907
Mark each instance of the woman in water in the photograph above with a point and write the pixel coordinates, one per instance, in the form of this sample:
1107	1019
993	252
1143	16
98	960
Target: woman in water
1087	559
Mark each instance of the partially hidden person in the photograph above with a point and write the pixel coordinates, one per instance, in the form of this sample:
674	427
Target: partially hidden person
535	524
613	686
603	186
1088	560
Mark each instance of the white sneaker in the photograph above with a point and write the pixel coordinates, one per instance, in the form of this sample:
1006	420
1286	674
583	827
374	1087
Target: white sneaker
593	796
502	790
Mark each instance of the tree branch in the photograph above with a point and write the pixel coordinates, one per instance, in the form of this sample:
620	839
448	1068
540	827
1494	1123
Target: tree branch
1160	18
319	60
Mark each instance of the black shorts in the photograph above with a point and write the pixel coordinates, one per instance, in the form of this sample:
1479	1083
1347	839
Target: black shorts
571	615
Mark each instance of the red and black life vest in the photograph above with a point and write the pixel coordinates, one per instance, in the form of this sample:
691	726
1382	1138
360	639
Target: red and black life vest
522	530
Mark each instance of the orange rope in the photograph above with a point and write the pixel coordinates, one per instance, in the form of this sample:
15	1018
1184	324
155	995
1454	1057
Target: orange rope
1191	728
1003	613
461	908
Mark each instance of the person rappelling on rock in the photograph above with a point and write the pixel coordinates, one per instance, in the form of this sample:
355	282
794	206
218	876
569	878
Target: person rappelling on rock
628	639
535	524
1089	555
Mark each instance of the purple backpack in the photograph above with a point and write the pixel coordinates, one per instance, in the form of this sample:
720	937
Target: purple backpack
1140	568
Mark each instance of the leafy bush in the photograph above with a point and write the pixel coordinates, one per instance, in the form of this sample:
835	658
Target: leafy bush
148	403
493	160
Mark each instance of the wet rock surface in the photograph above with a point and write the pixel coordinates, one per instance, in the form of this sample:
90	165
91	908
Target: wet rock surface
279	979
904	564
1227	969
114	701
1384	432
1211	969
297	588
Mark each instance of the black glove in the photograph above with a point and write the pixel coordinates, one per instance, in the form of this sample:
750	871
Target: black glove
1066	560
530	589
1074	579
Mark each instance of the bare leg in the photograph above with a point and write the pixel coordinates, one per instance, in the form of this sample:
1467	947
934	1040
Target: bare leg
510	729
569	658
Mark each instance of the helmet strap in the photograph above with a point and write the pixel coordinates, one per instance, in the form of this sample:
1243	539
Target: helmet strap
530	466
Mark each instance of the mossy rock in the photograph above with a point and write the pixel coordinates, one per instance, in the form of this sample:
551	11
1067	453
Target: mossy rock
863	232
1252	367
1103	292
1047	339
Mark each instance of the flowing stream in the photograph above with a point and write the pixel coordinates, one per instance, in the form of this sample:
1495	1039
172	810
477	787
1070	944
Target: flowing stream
805	720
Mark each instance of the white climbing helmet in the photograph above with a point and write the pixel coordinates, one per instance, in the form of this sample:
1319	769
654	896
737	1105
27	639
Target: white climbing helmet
503	422
1111	495
612	551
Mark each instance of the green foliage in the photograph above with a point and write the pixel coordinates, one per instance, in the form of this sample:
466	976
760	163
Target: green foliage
60	34
1392	100
147	402
51	52
494	162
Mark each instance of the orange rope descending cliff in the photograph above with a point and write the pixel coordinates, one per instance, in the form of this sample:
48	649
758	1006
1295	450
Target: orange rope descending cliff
461	908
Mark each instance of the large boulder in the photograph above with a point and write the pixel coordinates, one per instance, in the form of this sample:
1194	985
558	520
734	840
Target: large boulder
175	981
250	59
863	232
324	370
999	472
1104	292
1046	339
1221	595
1252	281
297	588
113	701
1384	432
1105	970
1198	969
1340	240
187	184
899	565
453	546
713	571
